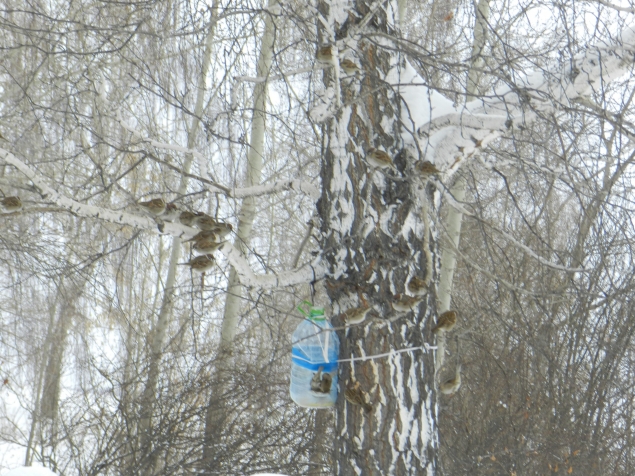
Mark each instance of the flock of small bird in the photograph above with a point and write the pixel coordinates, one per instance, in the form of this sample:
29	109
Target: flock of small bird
377	158
204	243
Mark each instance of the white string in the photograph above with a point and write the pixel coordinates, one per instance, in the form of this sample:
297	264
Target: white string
425	348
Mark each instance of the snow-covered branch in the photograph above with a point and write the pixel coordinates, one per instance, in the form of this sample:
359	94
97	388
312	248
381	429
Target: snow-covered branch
90	211
305	274
449	134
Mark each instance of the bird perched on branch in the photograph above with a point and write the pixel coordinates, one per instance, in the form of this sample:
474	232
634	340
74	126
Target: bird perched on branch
171	212
207	246
325	54
187	218
356	396
451	385
222	229
321	382
417	286
200	264
379	158
425	168
11	204
349	67
204	236
446	322
355	315
403	303
155	206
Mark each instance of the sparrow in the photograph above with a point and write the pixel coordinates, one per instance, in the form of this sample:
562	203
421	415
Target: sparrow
200	264
321	382
11	204
355	315
155	206
379	158
171	212
417	286
451	385
349	67
206	246
325	54
187	218
355	396
222	229
425	168
204	221
401	302
203	236
446	322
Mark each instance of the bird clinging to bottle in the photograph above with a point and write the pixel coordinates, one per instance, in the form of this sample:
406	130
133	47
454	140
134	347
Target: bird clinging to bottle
356	396
403	303
446	322
355	315
200	264
425	168
417	286
155	207
349	67
11	204
325	54
451	385
321	382
379	158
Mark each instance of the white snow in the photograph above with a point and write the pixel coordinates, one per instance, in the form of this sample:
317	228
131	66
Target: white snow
29	471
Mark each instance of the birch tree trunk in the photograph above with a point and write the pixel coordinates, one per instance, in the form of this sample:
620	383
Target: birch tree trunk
156	340
216	412
377	235
455	217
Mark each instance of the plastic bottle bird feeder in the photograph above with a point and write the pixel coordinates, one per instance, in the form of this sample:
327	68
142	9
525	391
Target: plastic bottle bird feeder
314	356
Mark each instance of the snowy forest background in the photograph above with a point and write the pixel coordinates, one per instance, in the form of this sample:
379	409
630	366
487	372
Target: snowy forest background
115	360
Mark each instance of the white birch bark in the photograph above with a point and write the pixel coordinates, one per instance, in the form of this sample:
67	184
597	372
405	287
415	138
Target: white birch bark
254	173
158	333
455	217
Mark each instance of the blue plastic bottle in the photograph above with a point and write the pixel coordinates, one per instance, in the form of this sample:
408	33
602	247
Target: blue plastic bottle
315	345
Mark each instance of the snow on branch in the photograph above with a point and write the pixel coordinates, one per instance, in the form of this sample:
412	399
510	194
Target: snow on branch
305	274
259	190
90	211
448	135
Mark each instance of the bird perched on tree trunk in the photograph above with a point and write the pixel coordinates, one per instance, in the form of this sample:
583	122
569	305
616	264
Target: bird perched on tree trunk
403	303
155	206
356	396
451	386
379	158
425	168
417	286
325	54
355	315
349	67
446	322
11	204
200	264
